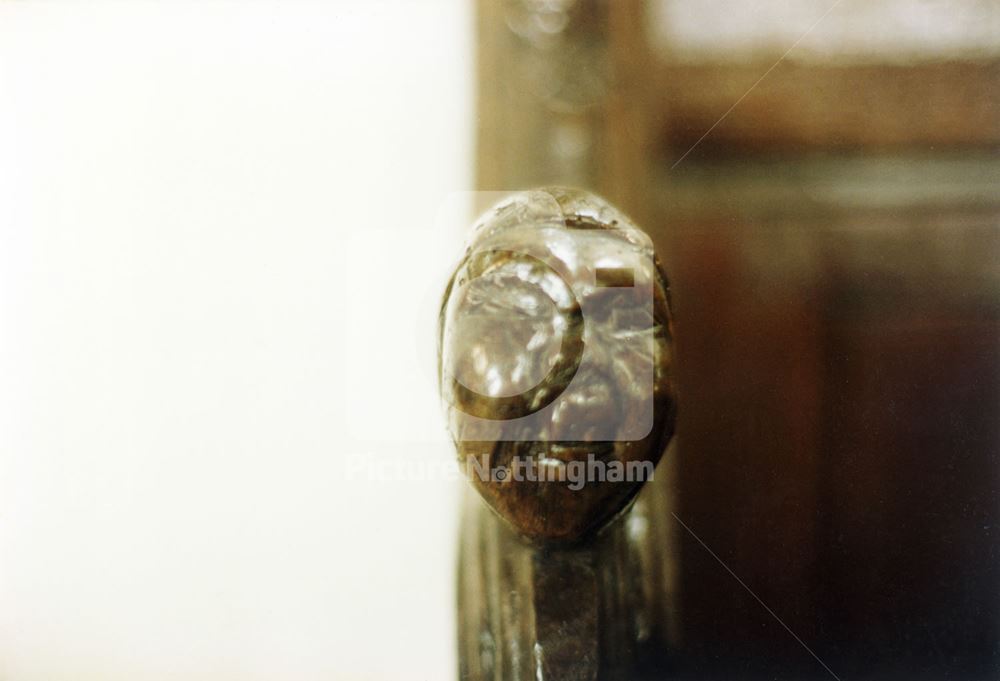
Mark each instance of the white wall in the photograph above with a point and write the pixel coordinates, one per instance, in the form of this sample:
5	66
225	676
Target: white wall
218	270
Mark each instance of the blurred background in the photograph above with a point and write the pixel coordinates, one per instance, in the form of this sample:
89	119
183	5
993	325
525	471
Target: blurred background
821	181
224	228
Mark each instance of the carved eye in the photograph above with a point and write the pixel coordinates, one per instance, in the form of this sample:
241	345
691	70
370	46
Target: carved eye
514	336
511	330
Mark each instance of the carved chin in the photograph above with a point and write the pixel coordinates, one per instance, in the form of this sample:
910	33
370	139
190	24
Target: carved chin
561	493
552	511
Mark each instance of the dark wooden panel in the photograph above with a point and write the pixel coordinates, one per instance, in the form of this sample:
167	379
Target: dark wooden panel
911	471
839	367
801	107
748	446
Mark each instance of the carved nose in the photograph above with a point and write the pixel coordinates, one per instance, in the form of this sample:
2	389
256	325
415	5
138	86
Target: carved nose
587	410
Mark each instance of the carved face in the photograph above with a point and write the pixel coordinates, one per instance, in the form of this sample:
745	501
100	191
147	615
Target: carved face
555	362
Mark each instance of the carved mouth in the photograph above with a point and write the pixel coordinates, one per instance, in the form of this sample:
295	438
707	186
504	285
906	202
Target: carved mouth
552	453
579	451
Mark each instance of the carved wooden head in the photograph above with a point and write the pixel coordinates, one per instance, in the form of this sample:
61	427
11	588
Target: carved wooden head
556	362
